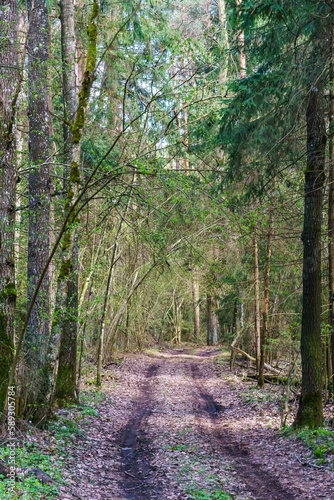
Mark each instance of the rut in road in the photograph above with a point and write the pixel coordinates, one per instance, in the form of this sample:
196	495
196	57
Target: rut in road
260	483
137	482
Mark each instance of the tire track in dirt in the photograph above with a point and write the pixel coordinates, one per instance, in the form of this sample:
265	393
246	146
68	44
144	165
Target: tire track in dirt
137	480
260	483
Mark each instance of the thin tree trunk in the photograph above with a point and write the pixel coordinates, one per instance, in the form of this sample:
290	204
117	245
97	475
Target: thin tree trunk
195	286
264	330
9	81
52	236
310	411
212	321
331	218
104	311
241	45
185	120
223	26
257	302
119	315
235	334
176	112
39	210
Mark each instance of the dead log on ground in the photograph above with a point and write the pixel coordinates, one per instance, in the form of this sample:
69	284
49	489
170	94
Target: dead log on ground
267	367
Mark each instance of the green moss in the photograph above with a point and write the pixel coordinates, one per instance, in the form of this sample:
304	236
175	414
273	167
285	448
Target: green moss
88	77
260	382
75	173
310	413
66	241
9	292
95	11
70	195
6	358
65	385
65	268
91	56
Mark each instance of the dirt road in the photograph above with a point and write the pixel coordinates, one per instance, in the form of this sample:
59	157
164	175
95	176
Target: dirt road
175	425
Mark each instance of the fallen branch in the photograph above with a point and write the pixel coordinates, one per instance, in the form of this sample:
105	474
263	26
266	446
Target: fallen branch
309	464
276	378
267	367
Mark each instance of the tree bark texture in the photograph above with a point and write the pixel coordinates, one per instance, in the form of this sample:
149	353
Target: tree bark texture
9	88
39	206
195	286
310	412
257	302
66	374
62	336
212	321
331	215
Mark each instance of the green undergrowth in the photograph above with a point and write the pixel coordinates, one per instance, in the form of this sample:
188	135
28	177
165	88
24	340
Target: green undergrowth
201	494
202	475
51	453
255	396
223	357
319	441
28	455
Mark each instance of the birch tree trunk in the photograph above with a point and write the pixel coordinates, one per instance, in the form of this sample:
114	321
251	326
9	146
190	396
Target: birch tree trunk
9	81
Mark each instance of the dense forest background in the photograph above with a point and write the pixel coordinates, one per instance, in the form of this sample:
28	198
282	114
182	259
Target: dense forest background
166	176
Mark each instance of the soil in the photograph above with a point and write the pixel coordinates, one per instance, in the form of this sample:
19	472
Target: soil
176	424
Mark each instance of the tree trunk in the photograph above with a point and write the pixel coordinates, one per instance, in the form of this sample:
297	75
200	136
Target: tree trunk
9	81
257	302
66	373
185	120
264	330
331	217
310	412
52	227
241	45
104	312
66	295
223	26
212	321
195	284
39	209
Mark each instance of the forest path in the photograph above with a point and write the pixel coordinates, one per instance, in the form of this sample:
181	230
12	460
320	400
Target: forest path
175	425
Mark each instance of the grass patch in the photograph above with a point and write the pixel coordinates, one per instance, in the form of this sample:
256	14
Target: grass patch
179	447
201	494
